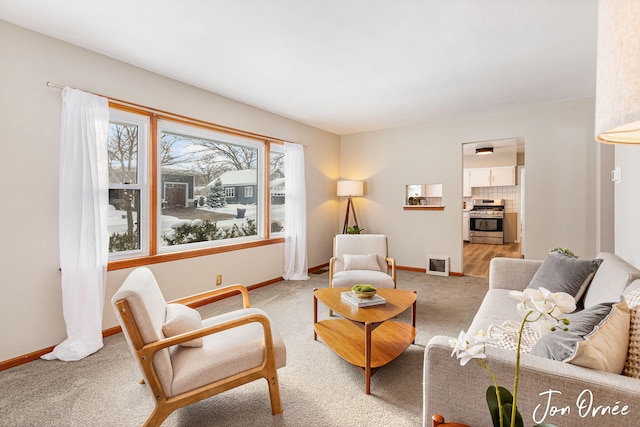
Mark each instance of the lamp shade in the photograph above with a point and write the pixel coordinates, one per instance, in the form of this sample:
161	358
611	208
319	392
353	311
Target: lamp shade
350	188
618	72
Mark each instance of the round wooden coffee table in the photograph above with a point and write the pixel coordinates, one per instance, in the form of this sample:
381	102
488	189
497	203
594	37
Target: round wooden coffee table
366	337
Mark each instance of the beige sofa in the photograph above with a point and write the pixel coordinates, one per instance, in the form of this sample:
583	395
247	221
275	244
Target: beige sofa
551	391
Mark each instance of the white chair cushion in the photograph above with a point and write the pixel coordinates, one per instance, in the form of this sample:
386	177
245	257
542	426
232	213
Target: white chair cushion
223	354
181	319
360	244
349	278
361	262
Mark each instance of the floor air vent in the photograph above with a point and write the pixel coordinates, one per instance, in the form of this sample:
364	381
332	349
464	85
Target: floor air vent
438	265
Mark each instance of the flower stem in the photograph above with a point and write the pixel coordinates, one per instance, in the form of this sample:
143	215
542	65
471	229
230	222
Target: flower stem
516	378
495	384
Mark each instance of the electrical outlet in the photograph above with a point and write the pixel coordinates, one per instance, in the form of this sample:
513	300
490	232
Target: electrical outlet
219	280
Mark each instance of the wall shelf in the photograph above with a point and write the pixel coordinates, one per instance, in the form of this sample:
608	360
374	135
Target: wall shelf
423	207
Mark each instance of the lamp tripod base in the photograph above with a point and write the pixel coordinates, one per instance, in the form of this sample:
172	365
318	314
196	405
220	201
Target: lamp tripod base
346	216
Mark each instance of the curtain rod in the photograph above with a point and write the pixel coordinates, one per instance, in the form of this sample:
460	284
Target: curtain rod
178	116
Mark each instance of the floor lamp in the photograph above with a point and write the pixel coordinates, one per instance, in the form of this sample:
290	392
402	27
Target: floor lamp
349	189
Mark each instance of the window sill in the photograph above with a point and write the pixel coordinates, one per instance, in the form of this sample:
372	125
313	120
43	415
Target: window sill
423	207
175	256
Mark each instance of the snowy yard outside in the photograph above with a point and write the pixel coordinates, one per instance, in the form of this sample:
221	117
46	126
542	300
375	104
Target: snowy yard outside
117	219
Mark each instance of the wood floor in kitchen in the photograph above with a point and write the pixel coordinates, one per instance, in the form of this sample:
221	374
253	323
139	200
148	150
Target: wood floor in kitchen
476	256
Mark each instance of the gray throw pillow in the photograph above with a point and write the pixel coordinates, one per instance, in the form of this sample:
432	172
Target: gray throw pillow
561	273
597	338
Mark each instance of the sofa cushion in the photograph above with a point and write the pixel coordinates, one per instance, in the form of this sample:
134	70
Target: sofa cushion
562	273
597	338
181	319
612	277
632	364
497	306
361	262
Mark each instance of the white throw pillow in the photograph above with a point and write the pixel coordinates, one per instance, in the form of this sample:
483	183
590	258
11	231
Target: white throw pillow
361	262
632	364
181	319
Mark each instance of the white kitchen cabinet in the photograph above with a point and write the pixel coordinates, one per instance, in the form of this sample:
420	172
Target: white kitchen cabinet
466	183
504	175
480	177
433	190
492	177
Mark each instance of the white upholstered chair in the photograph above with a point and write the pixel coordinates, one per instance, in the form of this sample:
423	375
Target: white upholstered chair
361	258
184	358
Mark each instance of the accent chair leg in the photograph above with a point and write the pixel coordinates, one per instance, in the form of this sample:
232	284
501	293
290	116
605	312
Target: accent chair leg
274	394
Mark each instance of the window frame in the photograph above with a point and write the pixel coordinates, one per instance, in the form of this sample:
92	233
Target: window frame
142	184
279	149
149	233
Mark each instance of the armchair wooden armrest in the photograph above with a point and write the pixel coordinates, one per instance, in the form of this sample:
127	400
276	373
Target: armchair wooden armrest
332	270
391	261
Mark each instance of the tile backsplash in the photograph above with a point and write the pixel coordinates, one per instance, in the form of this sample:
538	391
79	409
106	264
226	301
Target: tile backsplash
510	194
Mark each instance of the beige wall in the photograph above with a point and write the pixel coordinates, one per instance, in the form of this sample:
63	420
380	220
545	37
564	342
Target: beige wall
30	297
627	203
560	186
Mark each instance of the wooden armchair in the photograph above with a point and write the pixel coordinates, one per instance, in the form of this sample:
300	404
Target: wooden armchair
184	359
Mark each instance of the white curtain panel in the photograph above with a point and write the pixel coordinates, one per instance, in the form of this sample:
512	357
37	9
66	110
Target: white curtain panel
84	239
295	214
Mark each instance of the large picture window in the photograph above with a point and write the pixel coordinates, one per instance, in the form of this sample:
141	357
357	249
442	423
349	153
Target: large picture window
185	187
205	163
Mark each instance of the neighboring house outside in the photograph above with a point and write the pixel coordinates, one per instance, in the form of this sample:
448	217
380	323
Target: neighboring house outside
177	188
240	186
277	191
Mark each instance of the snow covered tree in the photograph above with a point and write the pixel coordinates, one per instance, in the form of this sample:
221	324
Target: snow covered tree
216	197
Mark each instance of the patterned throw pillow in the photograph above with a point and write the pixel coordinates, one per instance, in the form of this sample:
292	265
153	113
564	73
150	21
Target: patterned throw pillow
506	336
632	364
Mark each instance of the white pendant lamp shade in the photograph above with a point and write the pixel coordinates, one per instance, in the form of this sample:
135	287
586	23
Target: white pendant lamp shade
618	72
350	188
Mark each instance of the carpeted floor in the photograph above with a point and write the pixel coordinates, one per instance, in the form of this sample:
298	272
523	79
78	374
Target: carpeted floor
318	388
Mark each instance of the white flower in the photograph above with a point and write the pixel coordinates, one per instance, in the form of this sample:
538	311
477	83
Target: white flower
466	347
564	302
544	308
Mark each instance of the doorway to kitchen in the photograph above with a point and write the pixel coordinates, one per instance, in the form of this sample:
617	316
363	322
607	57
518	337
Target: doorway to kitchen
493	202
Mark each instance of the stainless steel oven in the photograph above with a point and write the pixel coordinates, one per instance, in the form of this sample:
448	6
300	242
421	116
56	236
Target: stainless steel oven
485	221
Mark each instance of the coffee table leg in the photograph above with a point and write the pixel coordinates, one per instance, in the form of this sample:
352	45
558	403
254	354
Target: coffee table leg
315	314
367	357
413	315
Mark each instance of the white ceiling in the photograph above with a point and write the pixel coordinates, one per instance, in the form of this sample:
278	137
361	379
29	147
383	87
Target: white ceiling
343	65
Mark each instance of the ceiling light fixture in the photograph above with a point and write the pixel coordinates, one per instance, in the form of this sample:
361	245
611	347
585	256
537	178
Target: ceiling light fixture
484	151
618	68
